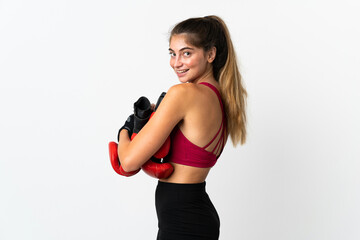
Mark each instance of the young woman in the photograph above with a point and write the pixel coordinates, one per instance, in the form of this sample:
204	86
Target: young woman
199	114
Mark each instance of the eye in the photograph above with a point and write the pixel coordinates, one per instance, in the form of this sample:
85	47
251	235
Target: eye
172	54
187	54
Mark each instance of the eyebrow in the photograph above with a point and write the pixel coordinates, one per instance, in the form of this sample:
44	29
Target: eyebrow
184	48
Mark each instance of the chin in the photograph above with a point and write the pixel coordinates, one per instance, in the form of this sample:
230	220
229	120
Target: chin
184	80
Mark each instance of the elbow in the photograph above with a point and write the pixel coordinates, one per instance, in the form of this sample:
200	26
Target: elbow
127	162
128	165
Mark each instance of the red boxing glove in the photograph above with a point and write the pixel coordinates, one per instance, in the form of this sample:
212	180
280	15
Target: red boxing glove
154	167
142	112
114	159
163	150
157	170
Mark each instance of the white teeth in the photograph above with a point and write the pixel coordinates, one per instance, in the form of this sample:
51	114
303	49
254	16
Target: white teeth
181	71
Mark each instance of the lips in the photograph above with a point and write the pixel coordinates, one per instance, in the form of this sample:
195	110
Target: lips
182	71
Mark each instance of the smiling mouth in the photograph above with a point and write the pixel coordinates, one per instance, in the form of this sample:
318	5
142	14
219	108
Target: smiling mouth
182	71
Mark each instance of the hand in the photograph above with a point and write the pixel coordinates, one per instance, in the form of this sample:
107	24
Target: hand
129	126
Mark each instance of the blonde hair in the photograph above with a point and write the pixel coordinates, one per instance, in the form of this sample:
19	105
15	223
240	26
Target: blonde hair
208	32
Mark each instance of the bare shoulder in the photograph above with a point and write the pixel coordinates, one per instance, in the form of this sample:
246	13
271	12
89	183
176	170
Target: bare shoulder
184	91
182	88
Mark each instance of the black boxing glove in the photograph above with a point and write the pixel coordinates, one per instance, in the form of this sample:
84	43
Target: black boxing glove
129	126
142	112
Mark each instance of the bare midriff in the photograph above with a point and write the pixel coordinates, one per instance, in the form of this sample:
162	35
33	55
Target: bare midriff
187	174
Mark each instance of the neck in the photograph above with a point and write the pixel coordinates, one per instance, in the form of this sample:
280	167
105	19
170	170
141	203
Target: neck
208	76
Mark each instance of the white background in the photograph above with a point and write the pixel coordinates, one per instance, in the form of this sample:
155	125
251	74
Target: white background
71	70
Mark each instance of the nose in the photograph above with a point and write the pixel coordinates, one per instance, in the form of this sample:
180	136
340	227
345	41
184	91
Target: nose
177	62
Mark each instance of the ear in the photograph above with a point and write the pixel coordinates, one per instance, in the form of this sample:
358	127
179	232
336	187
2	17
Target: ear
211	54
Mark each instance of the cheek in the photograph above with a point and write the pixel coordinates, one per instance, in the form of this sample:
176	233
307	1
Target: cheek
172	62
189	63
196	62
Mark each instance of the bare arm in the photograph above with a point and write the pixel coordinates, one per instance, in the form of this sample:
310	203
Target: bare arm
133	154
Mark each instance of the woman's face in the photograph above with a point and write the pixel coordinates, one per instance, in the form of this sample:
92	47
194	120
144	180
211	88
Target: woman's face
189	62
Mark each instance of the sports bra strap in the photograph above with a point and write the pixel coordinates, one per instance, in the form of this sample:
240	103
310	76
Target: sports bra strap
217	94
222	121
214	137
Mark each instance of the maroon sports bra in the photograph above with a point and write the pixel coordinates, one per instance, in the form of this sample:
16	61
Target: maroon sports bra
186	153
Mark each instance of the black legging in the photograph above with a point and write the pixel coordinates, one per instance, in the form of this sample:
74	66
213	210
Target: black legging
185	212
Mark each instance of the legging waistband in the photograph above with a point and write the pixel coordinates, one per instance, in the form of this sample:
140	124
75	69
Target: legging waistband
181	186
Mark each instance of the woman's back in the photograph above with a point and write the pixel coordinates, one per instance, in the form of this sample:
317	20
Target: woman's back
201	129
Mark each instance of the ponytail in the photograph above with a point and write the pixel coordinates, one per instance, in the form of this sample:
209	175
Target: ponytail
232	91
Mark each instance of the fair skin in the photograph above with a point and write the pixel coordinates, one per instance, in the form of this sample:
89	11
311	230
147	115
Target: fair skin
193	107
